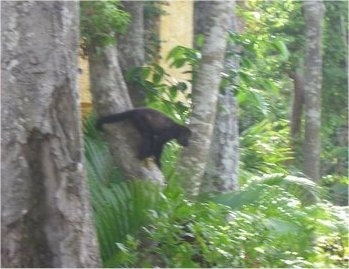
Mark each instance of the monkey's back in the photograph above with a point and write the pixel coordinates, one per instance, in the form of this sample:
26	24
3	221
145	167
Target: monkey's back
156	120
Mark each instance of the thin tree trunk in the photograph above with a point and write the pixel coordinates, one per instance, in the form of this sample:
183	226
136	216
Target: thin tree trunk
221	172
314	13
131	47
297	104
205	97
110	96
45	216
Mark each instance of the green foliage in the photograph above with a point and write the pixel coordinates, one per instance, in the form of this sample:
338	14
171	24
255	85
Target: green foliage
140	226
260	80
274	230
265	147
305	190
335	90
273	45
169	159
163	92
100	165
336	189
100	20
119	207
277	24
263	86
181	56
335	79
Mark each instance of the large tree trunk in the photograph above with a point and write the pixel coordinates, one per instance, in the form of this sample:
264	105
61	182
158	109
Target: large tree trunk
110	96
205	96
131	48
221	173
314	13
202	11
45	216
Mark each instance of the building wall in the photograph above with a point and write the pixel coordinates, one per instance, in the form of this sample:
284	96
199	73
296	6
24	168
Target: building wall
176	28
84	86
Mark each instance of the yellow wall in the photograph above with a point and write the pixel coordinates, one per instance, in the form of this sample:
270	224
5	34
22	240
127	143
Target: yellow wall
84	86
176	28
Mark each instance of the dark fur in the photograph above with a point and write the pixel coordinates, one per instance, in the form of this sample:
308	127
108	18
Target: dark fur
155	128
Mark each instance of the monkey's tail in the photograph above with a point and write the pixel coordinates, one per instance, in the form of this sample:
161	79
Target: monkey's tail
112	118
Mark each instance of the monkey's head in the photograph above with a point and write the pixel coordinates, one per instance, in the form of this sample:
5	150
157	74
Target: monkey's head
184	134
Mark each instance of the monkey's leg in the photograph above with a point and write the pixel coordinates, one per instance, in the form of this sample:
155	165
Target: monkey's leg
148	162
148	151
157	151
145	148
145	145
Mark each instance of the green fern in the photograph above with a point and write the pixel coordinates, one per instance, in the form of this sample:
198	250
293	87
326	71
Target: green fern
306	190
119	210
265	148
303	189
119	207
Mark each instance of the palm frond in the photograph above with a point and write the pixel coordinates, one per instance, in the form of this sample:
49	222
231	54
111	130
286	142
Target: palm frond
119	207
238	199
304	189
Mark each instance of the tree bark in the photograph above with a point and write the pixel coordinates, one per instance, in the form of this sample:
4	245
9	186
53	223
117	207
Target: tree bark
110	96
205	96
45	216
221	173
131	48
202	11
152	12
297	104
314	13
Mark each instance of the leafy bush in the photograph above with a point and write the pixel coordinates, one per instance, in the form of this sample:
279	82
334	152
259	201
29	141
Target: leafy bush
265	148
336	188
305	190
120	209
162	91
275	230
99	20
273	221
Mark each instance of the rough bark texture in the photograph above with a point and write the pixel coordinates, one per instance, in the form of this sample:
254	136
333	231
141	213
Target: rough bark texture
297	103
131	47
221	173
45	216
152	13
205	96
202	11
110	96
314	13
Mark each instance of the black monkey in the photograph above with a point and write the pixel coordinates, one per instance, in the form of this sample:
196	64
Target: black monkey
155	128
